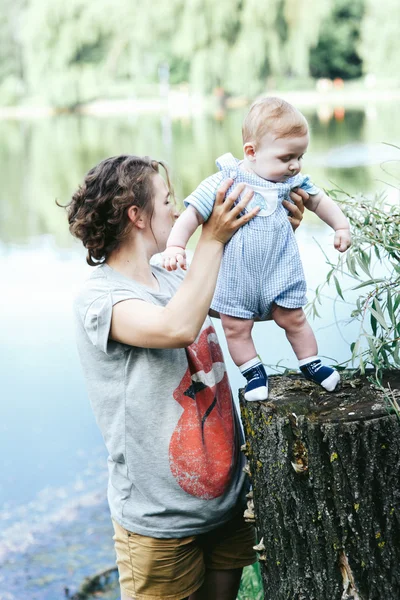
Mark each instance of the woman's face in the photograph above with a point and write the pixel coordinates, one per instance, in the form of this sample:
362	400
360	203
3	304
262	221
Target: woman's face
164	213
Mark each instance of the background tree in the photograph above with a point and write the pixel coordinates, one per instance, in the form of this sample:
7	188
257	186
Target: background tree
11	62
336	54
379	42
66	53
303	19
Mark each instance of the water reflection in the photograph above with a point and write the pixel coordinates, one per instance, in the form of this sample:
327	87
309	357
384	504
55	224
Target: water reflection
45	159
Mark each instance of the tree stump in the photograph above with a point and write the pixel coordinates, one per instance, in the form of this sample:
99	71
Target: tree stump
325	471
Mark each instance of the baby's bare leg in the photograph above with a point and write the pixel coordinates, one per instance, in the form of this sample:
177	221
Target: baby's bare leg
304	344
244	355
297	329
238	336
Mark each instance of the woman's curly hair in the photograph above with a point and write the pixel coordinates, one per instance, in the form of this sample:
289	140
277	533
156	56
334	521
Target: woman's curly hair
98	211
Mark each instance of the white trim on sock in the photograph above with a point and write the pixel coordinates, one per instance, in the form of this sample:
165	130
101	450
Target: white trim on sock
257	394
306	361
331	382
250	363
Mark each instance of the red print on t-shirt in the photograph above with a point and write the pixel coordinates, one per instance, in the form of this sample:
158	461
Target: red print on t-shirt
202	448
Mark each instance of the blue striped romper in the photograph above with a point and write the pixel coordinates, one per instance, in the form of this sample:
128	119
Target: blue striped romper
261	263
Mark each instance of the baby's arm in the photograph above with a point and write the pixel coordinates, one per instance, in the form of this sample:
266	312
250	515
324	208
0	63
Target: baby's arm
199	208
184	227
331	214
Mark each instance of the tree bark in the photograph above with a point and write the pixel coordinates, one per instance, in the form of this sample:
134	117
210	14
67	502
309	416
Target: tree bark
325	471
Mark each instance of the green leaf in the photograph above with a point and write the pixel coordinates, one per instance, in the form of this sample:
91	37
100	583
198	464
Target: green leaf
338	288
373	323
366	283
379	316
377	253
315	312
351	264
362	261
389	307
373	350
354	350
385	357
396	352
396	302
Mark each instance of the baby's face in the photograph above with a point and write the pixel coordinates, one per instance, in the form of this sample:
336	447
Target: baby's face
278	159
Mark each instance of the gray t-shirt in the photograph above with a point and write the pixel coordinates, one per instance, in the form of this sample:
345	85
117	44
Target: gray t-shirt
166	416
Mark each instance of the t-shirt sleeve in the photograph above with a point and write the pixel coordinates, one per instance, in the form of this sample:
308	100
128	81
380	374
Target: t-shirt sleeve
308	186
203	197
97	322
95	312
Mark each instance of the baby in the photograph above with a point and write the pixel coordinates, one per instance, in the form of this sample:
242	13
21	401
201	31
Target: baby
261	272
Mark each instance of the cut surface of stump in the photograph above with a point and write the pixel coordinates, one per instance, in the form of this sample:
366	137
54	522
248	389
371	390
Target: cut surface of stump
325	472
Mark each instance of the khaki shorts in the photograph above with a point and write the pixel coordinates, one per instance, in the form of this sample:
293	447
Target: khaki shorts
172	569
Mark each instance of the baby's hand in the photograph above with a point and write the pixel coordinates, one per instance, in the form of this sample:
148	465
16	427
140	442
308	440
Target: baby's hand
342	239
172	257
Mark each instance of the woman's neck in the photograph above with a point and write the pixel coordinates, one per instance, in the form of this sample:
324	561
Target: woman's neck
134	264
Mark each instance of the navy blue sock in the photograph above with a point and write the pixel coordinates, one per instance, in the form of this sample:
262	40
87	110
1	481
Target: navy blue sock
325	376
257	383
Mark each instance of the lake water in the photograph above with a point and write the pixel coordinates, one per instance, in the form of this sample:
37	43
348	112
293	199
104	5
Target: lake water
54	525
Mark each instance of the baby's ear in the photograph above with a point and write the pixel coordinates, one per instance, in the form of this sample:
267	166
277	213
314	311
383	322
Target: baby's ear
249	150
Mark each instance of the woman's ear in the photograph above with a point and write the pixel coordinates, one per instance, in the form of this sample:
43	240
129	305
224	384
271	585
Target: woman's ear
135	216
249	150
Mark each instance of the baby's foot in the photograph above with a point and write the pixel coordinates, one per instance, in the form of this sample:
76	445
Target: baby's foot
257	383
327	377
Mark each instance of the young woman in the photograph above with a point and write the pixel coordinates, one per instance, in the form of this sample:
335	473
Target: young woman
158	385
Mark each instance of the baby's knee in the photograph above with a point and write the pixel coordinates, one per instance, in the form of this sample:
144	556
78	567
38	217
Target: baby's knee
289	319
235	327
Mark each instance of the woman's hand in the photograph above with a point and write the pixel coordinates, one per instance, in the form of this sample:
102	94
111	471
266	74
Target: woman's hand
296	210
225	218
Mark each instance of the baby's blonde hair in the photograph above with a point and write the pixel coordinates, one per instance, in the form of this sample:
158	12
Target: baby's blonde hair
273	115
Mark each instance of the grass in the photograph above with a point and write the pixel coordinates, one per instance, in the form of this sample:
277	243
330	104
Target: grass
250	585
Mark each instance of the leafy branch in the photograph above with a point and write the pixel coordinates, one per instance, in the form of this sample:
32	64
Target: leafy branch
372	268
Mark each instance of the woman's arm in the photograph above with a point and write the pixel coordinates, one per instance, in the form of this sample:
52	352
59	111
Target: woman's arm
137	323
